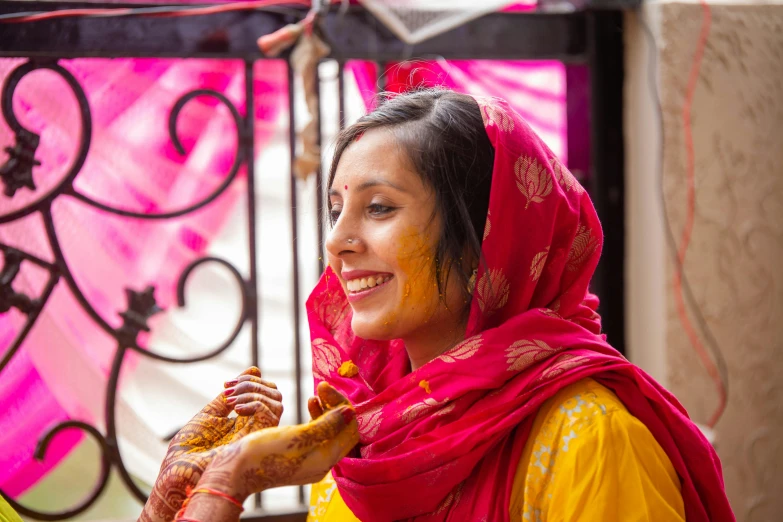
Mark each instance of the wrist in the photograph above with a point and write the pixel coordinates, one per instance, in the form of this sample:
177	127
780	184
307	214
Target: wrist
227	482
212	505
226	473
160	507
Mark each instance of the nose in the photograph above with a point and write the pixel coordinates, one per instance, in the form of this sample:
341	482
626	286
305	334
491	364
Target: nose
344	238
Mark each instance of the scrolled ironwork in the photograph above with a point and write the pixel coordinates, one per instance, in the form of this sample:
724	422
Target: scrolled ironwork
173	116
111	424
89	500
10	298
65	271
244	287
17	174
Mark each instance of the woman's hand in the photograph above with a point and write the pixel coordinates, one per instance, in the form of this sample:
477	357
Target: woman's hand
206	435
250	394
285	456
328	398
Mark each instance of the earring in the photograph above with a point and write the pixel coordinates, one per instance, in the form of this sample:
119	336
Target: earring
472	281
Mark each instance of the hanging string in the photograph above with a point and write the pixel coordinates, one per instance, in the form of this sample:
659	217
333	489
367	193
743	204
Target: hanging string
151	12
715	365
687	230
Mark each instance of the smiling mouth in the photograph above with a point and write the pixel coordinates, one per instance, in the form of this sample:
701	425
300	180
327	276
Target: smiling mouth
365	284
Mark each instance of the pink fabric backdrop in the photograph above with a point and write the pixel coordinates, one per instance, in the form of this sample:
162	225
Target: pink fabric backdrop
536	89
132	164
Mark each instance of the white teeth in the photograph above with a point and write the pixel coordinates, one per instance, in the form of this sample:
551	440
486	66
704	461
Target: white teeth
357	285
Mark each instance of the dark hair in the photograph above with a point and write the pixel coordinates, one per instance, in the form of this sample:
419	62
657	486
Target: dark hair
443	134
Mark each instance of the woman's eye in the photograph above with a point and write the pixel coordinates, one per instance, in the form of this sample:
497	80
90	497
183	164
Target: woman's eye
334	214
376	209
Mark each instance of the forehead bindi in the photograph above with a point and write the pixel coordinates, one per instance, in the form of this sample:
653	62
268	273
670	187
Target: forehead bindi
376	158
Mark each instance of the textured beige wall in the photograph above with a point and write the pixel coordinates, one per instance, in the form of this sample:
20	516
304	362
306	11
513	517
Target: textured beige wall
735	259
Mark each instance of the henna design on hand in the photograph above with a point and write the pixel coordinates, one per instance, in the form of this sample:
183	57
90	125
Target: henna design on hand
205	436
284	456
272	471
315	433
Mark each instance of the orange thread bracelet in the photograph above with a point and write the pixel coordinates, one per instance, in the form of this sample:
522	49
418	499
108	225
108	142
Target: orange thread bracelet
188	493
181	511
217	493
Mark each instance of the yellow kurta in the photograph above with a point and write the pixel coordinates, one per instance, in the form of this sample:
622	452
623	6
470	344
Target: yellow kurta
587	458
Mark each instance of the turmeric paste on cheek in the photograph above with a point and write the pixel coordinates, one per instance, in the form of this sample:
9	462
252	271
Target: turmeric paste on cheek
415	257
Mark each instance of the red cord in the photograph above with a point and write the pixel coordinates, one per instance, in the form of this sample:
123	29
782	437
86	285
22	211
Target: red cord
67	13
708	363
189	492
235	6
226	496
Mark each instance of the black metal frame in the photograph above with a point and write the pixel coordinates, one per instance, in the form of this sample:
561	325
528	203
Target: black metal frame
583	38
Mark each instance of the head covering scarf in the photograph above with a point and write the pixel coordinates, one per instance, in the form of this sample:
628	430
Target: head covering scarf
451	452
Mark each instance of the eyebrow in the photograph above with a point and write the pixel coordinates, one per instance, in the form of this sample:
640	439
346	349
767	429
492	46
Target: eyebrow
369	184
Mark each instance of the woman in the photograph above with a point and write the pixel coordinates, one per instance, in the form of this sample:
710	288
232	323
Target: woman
455	316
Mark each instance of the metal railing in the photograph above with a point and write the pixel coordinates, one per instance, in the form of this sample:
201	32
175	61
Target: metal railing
588	41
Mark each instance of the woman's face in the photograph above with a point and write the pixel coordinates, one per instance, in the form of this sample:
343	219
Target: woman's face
383	241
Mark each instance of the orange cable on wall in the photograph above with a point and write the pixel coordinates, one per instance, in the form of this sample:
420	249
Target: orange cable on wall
687	230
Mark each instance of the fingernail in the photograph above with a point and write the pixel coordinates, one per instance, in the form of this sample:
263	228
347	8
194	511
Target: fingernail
229	391
231	400
349	414
231	383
